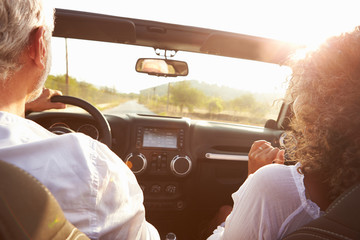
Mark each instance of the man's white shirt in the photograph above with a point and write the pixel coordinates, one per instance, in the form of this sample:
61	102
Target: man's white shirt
96	190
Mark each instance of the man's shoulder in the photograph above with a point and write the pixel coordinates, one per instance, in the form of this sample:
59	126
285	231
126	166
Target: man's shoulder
73	140
9	118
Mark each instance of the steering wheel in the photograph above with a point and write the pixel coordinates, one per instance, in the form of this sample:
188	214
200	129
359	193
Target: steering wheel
105	130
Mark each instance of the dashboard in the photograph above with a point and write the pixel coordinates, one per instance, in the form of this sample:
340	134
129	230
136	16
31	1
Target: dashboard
179	163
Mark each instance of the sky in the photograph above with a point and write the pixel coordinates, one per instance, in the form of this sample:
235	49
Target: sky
305	22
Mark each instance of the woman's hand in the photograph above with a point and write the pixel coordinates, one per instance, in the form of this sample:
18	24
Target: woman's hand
261	154
43	102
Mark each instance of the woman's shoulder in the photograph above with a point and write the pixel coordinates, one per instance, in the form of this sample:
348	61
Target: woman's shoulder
275	171
277	179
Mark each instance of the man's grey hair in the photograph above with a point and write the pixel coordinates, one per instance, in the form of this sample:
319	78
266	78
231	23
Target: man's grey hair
18	19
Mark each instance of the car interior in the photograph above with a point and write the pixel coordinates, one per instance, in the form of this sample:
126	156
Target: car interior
187	168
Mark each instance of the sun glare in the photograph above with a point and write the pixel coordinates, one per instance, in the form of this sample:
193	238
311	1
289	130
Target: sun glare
312	22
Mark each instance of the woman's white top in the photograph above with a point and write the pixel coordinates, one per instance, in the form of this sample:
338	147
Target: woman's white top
269	205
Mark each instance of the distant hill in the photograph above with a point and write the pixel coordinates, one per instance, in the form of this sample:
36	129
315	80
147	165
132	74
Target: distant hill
211	90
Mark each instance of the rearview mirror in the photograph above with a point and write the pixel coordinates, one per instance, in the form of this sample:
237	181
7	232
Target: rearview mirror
162	67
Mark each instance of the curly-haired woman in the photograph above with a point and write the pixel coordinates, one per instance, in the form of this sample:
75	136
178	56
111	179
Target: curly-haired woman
277	199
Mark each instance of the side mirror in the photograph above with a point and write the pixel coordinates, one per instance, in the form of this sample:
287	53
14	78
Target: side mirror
162	67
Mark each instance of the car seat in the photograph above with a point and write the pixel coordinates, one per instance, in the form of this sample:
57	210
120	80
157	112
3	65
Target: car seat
28	210
340	221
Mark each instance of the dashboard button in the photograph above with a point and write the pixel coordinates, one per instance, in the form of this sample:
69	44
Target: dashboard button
155	188
171	189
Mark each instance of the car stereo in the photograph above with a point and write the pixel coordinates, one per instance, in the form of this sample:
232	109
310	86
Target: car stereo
159	151
159	138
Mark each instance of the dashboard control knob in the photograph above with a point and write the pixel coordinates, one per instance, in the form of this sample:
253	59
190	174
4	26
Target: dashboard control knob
180	165
170	236
136	162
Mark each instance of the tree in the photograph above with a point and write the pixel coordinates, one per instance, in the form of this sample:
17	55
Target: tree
84	90
58	82
215	105
183	95
88	91
243	103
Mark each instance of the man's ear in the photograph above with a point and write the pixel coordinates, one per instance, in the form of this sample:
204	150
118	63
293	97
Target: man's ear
38	47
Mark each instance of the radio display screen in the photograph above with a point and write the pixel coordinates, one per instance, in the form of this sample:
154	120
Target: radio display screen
160	138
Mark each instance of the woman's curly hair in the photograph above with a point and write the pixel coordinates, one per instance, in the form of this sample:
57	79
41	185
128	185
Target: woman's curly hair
325	90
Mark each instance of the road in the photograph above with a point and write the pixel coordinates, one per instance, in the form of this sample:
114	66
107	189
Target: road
128	107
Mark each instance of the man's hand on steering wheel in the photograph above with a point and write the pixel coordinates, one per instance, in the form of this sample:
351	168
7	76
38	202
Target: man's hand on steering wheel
43	102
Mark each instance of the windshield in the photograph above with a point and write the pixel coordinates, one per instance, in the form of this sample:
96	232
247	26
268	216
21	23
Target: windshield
216	88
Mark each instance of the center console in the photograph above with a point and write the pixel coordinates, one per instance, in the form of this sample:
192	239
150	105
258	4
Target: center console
159	151
160	160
